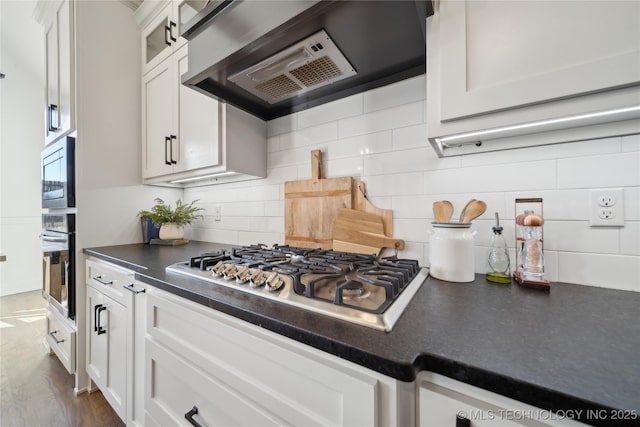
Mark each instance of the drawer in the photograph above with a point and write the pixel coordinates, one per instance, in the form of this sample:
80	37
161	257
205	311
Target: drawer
316	391
175	387
61	337
110	280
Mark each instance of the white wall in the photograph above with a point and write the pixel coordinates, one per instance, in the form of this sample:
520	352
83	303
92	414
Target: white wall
21	140
380	137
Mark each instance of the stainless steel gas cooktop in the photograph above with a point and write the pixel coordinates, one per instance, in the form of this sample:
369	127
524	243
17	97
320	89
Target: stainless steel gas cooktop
362	289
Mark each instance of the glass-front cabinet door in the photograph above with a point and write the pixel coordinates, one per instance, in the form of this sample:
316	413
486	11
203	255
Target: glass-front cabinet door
187	9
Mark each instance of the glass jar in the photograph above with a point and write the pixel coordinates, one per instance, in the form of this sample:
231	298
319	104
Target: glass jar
531	255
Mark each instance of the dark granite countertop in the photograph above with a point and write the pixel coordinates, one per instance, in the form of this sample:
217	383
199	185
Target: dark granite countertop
576	347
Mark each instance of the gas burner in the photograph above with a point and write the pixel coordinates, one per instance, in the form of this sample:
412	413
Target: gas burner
359	288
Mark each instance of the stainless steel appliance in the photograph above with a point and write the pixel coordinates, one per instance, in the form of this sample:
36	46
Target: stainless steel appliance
278	57
362	289
58	261
58	174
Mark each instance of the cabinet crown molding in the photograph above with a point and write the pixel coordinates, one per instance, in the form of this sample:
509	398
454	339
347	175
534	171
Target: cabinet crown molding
148	10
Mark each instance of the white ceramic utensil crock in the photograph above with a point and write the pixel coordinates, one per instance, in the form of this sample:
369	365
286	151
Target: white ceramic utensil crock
451	252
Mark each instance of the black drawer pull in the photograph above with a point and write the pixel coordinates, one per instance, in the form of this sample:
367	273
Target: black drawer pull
189	416
131	288
52	333
99	279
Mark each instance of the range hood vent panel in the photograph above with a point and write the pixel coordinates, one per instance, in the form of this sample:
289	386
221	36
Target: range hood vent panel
309	64
377	43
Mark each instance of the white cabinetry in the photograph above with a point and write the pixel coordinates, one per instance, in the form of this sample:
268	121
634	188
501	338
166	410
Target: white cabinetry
189	138
61	338
114	351
161	35
445	402
181	126
222	371
492	64
59	61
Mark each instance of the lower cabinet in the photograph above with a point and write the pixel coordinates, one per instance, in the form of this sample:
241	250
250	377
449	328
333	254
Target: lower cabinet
107	342
61	338
115	337
206	368
446	402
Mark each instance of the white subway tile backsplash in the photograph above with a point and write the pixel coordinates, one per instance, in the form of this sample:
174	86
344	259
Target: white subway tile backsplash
404	115
350	166
403	92
631	143
380	137
394	185
615	170
630	239
309	136
331	111
577	236
410	137
508	177
608	271
358	145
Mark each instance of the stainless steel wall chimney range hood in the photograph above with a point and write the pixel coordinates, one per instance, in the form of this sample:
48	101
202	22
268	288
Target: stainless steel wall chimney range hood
272	58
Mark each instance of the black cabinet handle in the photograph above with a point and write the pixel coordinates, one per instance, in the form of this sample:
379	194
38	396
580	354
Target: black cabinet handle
95	317
172	25
131	288
189	416
167	141
167	32
99	327
99	279
52	333
52	117
462	421
171	138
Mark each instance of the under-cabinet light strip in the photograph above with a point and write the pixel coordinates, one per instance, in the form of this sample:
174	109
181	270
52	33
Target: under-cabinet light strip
445	141
200	178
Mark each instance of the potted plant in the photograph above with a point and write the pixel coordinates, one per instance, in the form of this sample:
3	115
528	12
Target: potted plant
171	221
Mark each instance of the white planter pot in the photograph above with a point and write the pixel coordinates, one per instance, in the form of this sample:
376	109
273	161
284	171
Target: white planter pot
170	231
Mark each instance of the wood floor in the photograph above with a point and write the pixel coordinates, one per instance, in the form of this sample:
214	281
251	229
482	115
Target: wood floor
35	389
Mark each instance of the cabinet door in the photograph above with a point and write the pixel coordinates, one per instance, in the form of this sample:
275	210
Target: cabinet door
554	50
107	348
59	114
199	122
158	39
158	118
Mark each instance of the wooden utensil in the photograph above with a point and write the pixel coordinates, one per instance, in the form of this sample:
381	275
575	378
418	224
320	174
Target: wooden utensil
473	210
362	203
442	211
462	212
311	206
361	232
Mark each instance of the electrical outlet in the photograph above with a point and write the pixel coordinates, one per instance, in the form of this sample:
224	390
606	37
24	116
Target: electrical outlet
217	213
606	207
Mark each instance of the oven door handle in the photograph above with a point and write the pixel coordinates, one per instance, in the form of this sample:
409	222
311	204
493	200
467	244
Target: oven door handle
48	238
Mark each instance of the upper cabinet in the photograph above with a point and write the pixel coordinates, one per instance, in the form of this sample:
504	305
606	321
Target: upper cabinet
161	36
189	138
520	65
57	19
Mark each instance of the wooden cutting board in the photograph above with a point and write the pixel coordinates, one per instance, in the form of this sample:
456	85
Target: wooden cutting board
311	206
361	232
362	203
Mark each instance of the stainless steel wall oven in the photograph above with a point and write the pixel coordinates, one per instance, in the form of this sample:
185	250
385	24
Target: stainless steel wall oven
58	174
58	261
